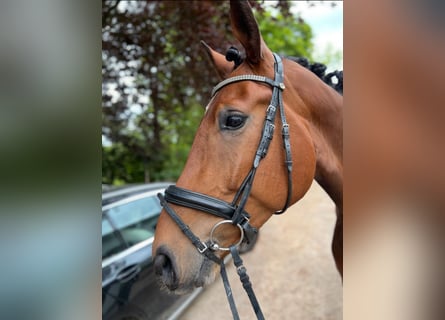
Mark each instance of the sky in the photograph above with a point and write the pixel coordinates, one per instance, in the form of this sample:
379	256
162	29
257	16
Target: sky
326	22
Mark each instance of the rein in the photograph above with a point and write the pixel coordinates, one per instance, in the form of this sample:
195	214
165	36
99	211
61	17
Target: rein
234	212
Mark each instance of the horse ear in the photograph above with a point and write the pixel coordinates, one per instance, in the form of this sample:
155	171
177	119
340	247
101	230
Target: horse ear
222	66
245	29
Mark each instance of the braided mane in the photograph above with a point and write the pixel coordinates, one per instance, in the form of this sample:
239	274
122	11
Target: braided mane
319	70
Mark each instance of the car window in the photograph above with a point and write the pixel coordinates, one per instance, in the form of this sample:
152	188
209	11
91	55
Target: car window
135	220
134	212
112	243
106	227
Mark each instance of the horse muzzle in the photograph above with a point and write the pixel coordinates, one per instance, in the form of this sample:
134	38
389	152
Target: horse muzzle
198	272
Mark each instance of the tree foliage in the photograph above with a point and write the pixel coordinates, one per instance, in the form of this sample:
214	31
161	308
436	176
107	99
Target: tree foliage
286	34
157	79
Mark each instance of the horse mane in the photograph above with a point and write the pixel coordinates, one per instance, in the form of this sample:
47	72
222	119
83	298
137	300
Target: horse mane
319	70
233	54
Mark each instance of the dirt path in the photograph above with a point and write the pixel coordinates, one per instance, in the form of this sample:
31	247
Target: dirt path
291	268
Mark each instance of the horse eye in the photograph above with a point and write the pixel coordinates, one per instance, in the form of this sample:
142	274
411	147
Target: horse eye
234	121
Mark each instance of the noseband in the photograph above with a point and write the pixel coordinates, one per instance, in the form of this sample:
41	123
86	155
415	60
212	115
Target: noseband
234	212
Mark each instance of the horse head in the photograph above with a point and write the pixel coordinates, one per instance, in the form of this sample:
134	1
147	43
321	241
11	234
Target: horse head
225	148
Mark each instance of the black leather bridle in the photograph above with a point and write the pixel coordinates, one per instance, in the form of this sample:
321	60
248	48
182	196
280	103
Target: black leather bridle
234	212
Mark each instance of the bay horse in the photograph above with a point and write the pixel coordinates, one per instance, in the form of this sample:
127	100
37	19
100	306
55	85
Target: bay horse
238	162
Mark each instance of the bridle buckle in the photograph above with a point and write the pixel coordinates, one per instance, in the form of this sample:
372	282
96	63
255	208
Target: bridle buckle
203	248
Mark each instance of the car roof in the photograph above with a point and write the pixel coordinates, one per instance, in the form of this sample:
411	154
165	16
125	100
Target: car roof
113	194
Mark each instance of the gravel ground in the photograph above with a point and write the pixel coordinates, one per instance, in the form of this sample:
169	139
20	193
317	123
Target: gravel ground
291	268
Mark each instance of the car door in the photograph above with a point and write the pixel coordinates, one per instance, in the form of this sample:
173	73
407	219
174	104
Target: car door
126	252
129	287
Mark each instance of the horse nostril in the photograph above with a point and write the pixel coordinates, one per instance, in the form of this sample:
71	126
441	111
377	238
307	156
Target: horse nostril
164	268
161	262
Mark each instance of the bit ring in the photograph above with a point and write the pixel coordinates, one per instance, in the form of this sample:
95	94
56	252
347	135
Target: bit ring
214	245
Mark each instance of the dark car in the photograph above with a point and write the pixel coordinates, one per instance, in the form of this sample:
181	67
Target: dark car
129	287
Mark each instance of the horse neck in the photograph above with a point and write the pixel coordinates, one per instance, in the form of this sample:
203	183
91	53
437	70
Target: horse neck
324	116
